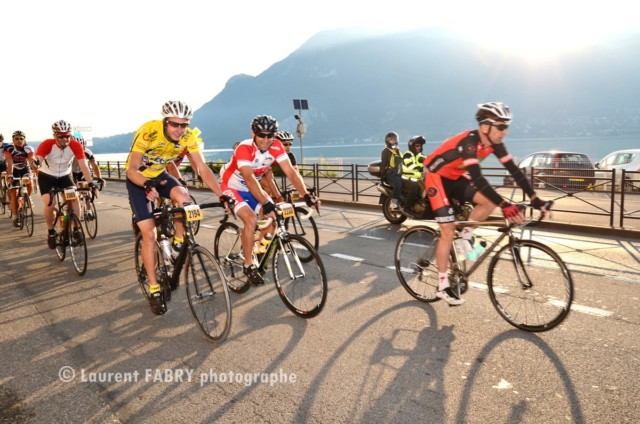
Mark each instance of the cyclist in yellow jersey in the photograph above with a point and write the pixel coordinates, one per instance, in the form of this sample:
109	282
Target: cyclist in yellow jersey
155	145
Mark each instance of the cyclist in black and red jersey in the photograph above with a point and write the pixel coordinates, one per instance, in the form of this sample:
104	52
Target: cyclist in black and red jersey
19	158
453	172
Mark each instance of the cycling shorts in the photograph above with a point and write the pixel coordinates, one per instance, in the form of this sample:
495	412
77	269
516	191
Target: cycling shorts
140	206
440	192
243	198
46	182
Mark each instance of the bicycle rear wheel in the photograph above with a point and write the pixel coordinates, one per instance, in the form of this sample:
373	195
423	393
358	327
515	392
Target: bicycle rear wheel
208	295
160	269
91	220
305	227
530	286
228	251
77	244
302	286
415	263
27	214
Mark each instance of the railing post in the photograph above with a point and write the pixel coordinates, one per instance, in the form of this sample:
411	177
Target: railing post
622	196
613	199
119	174
354	192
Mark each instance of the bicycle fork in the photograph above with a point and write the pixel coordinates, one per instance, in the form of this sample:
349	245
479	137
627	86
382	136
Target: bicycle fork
288	262
521	272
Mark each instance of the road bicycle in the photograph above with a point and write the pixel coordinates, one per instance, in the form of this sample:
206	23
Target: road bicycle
68	228
302	285
25	205
302	223
88	213
205	283
528	283
4	193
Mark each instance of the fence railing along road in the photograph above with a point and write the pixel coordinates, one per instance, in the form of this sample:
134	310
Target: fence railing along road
599	201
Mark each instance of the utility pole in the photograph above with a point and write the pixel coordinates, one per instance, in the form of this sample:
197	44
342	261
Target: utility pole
300	105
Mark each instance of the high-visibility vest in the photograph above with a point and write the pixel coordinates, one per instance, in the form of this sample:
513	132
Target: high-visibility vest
412	168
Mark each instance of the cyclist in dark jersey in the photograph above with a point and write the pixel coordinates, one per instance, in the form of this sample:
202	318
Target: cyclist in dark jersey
453	172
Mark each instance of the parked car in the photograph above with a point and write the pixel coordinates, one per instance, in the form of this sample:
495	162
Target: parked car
629	160
557	170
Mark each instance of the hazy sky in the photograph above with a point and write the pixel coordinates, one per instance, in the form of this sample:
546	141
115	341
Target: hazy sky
111	65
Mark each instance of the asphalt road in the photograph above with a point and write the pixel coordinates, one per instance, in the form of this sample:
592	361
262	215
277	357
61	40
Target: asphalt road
88	349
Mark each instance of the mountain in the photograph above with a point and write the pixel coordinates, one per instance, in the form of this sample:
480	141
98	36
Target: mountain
362	85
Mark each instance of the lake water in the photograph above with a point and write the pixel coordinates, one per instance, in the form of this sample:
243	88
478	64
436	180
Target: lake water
595	147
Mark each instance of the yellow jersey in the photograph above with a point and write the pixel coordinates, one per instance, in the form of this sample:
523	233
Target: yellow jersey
157	150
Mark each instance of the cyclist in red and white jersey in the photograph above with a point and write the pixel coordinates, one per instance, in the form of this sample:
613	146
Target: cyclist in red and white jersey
453	172
55	156
250	161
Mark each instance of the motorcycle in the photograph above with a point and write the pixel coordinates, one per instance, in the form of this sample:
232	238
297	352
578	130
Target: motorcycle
421	208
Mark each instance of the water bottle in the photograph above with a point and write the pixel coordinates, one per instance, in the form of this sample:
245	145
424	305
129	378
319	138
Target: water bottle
63	223
463	247
165	245
477	251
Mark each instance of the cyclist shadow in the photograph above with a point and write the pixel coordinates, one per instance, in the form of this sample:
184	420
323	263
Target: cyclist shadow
415	358
518	411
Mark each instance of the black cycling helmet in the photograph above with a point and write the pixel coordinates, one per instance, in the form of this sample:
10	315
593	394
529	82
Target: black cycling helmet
284	136
18	134
416	140
264	124
495	111
392	136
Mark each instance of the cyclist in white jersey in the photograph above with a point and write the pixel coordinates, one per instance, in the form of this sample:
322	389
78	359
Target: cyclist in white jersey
54	157
250	161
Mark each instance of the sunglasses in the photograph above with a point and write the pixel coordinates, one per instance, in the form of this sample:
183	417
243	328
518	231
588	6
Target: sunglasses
265	135
18	138
287	144
63	136
500	127
177	124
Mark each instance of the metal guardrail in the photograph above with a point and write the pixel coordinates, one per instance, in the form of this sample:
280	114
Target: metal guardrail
600	196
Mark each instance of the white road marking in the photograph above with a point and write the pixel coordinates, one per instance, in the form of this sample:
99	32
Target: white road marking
371	237
347	257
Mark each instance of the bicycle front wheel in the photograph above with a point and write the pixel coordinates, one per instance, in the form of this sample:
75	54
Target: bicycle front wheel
415	262
27	211
530	286
302	286
91	220
305	227
208	295
60	229
195	224
77	244
228	251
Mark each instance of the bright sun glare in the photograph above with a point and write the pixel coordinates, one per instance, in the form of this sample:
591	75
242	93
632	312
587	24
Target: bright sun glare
544	29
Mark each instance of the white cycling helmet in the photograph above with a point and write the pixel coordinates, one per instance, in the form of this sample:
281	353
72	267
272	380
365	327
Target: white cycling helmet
176	109
61	126
493	110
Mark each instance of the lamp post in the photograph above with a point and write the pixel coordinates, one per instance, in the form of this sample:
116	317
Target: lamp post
300	105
